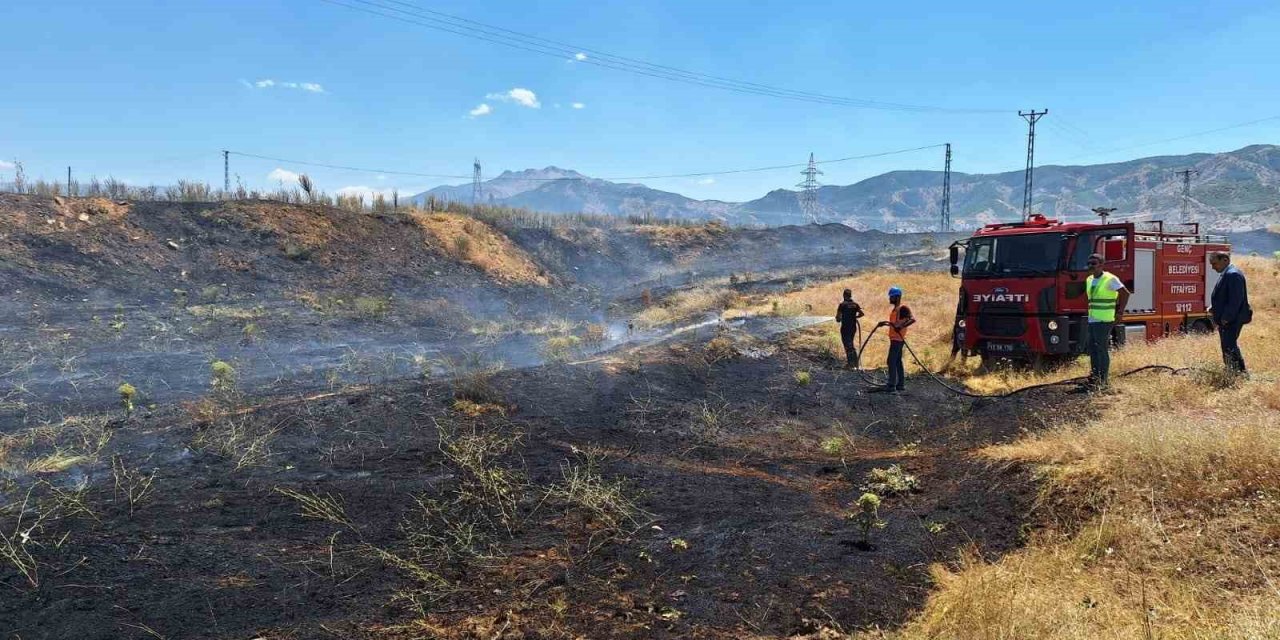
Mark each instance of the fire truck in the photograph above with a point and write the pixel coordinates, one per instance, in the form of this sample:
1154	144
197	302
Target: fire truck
1022	290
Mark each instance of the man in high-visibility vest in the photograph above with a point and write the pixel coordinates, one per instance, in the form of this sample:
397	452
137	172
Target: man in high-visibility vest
899	319
1107	299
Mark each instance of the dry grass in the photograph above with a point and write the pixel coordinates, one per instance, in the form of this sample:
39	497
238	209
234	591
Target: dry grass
684	306
686	240
1164	511
479	244
931	296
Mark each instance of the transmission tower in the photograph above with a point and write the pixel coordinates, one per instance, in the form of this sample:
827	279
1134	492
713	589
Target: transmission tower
1031	117
808	195
1186	192
476	187
945	225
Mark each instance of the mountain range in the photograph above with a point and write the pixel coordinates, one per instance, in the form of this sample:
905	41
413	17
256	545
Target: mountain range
1230	191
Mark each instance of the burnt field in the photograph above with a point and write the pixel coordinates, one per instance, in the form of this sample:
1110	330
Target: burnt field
262	420
301	297
702	487
252	420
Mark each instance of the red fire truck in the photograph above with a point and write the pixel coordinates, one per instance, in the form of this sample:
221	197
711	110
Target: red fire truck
1022	291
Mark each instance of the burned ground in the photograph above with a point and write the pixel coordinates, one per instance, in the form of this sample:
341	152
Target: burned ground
697	488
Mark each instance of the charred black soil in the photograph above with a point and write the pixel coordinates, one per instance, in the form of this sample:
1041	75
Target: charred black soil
695	489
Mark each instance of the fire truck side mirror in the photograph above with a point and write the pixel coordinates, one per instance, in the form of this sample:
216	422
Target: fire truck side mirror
955	258
955	270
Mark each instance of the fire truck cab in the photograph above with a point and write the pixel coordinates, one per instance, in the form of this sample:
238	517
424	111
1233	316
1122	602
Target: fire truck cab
1022	291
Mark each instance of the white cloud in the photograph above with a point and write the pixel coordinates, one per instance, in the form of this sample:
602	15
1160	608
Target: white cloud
289	178
5	164
381	178
579	105
268	83
481	110
522	97
579	56
707	181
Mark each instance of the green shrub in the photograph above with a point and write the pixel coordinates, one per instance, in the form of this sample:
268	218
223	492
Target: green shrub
803	378
297	252
867	516
127	393
890	481
224	377
833	446
372	306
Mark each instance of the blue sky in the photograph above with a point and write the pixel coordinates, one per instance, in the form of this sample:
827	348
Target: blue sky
149	91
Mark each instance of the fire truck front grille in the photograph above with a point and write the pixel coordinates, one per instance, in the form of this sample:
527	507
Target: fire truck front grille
1003	320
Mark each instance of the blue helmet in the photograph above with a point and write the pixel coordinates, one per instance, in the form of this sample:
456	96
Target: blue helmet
895	291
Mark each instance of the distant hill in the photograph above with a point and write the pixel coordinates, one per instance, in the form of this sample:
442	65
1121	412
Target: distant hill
1233	191
556	190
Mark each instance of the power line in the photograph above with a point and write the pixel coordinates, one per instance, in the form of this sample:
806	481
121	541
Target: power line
1229	127
343	168
775	167
448	23
610	179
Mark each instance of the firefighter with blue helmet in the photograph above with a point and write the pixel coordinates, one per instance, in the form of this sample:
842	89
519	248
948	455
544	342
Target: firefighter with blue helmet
900	318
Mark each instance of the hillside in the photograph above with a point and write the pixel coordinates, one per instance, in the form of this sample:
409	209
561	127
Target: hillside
70	248
1234	191
556	190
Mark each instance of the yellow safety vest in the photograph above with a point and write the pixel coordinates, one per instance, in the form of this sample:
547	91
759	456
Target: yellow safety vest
1102	300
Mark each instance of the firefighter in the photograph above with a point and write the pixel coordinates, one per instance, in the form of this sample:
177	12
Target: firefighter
847	314
1107	299
1230	309
899	319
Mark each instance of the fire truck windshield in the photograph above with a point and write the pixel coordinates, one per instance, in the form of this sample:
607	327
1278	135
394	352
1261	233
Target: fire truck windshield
1013	256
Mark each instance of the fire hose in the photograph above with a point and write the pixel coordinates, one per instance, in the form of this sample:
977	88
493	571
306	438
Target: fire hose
867	377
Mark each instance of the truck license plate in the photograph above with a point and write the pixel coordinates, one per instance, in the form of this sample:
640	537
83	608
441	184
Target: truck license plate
1001	347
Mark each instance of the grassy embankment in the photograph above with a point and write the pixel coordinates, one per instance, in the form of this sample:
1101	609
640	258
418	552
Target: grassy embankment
1163	513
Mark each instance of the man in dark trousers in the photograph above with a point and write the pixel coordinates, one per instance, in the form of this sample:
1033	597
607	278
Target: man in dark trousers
847	315
899	319
1230	309
1107	300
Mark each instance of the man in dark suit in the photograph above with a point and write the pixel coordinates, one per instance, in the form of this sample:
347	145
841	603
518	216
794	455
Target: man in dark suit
1230	309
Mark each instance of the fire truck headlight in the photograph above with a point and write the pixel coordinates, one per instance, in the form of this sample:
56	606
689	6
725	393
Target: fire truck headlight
1054	339
1053	325
960	323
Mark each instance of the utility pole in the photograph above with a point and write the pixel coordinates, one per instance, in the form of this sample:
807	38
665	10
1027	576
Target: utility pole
226	172
1186	192
476	187
945	225
69	194
808	195
1031	117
